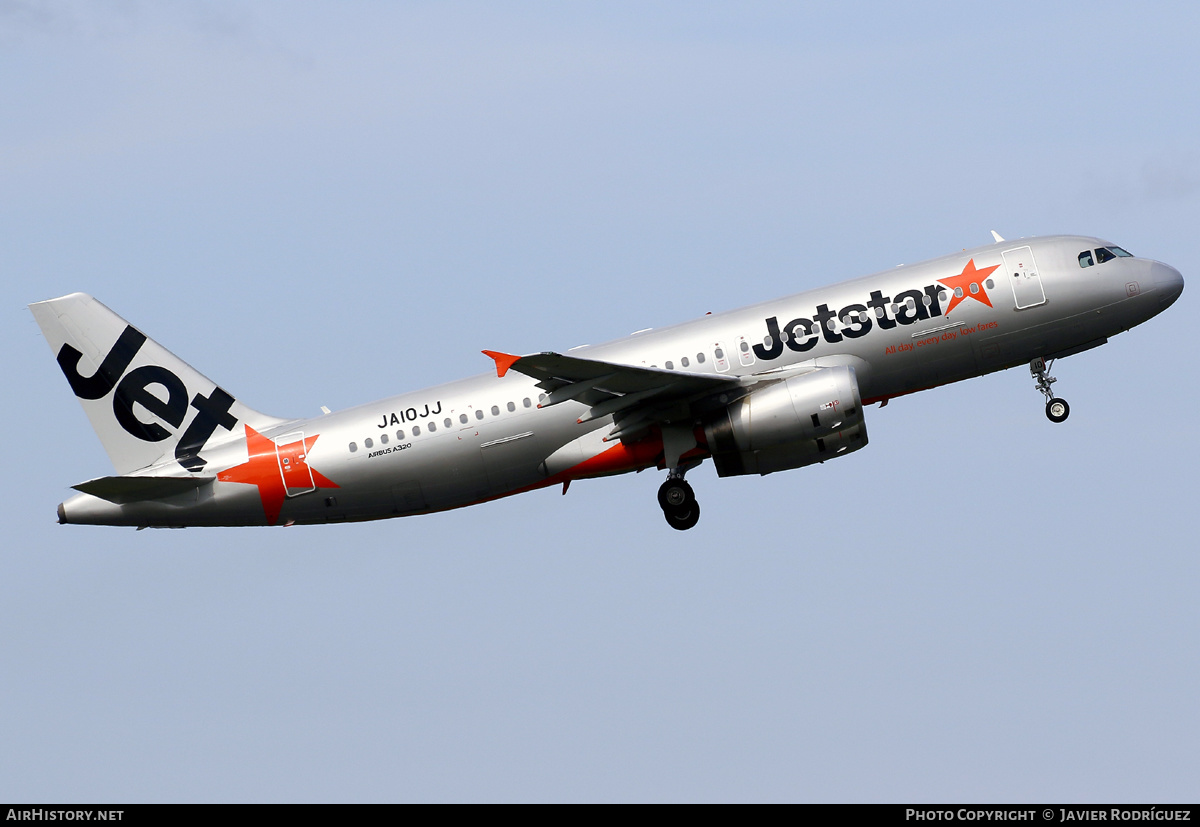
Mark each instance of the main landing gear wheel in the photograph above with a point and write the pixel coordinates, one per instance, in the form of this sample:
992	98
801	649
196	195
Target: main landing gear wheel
1057	410
683	520
678	503
675	495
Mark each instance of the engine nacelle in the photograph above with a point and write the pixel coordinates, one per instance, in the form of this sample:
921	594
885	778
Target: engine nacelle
789	424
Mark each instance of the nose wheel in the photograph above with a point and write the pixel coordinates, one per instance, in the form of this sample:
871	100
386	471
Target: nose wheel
678	503
1057	410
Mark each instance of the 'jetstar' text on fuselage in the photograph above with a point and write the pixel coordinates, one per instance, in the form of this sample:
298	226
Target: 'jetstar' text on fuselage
802	334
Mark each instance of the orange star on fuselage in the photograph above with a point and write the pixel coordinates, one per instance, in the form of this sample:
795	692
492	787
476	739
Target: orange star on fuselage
965	279
268	466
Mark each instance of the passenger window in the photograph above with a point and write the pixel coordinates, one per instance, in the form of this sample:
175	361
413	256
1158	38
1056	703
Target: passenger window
353	447
700	358
541	398
511	407
990	284
684	362
462	418
479	413
942	296
925	300
745	347
495	410
416	430
1103	255
974	288
958	291
1085	259
526	402
448	422
432	426
400	435
383	439
879	312
368	443
669	365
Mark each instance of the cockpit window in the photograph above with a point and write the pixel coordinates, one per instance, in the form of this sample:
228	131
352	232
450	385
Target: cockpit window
1120	252
1103	255
1085	259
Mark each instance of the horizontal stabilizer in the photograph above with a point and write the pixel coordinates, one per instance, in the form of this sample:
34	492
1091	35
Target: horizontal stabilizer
121	490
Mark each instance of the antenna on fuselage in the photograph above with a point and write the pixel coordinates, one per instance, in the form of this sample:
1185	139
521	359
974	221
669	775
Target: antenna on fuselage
996	236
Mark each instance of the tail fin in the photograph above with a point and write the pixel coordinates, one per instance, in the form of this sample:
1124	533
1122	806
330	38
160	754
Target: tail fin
147	405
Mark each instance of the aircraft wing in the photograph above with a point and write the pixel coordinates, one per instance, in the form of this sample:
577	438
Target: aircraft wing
637	397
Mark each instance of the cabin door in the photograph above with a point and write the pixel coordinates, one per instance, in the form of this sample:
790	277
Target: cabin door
1022	273
291	451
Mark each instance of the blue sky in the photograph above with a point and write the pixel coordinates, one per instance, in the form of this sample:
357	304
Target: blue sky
326	204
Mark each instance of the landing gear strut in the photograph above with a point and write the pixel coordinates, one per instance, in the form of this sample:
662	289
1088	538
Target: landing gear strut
678	502
1057	410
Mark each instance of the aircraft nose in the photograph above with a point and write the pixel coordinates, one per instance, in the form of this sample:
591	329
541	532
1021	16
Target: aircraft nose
1168	283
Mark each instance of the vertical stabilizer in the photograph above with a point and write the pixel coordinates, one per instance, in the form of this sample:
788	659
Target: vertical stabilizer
147	405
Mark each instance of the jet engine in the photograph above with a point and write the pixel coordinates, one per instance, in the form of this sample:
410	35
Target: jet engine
789	424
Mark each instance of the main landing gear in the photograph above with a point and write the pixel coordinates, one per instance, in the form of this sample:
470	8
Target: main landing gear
1057	410
678	502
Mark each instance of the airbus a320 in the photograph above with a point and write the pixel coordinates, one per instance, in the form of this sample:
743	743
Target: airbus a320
770	387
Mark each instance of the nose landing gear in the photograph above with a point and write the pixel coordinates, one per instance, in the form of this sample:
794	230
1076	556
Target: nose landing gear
678	502
1057	410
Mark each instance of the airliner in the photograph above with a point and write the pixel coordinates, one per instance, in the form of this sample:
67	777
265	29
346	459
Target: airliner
770	387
